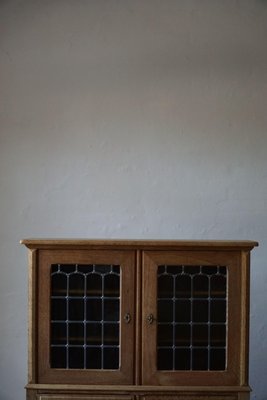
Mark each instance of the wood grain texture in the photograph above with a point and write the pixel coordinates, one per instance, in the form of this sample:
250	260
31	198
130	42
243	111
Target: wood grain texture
138	377
138	244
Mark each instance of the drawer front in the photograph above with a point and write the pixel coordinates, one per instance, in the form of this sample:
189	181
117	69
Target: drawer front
190	397
80	397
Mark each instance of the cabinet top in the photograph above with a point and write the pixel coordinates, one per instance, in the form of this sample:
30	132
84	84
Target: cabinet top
144	244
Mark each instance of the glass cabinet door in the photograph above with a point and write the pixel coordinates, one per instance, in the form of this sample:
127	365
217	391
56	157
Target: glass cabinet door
189	318
86	316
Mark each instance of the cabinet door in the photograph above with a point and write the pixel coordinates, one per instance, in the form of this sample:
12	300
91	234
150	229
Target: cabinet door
192	318
85	317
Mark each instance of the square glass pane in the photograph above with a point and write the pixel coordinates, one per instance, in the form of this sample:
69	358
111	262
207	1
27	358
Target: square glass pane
200	359
217	359
182	311
165	286
112	285
94	309
76	357
111	358
218	311
94	334
58	357
182	335
200	311
165	335
165	359
93	358
111	334
76	309
200	335
218	335
165	310
58	309
58	333
111	310
76	334
182	359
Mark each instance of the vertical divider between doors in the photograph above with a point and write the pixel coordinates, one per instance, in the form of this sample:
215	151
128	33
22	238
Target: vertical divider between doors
138	319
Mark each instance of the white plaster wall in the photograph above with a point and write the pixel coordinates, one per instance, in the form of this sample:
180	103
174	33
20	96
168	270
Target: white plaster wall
130	119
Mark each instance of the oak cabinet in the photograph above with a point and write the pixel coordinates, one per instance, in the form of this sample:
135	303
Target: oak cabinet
143	320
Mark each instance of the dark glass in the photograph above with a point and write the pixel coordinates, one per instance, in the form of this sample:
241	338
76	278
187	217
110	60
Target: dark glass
93	285
182	335
200	335
200	359
165	286
111	358
217	359
93	309
192	269
58	309
165	310
192	317
58	333
58	357
218	286
93	358
182	359
182	311
182	286
218	335
218	311
76	285
85	311
111	334
85	269
200	286
165	335
112	285
102	269
94	334
76	334
58	284
67	268
76	309
76	357
174	269
165	359
161	269
200	311
209	270
111	310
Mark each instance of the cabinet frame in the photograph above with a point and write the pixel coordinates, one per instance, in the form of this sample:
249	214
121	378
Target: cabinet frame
134	381
124	374
230	376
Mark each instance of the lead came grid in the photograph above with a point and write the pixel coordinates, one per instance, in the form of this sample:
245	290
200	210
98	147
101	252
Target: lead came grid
192	317
85	316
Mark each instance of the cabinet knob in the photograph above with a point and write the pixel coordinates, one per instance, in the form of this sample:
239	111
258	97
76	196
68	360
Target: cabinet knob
150	319
127	318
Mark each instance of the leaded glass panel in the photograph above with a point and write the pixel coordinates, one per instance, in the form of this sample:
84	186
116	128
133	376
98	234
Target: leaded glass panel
191	317
85	316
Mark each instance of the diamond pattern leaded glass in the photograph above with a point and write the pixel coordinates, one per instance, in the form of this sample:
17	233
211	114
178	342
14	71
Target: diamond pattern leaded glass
85	316
192	317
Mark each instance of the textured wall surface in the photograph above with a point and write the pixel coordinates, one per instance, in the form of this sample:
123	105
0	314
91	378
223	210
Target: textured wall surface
130	119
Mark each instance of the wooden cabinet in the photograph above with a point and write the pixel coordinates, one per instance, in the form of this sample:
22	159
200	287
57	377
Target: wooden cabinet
143	320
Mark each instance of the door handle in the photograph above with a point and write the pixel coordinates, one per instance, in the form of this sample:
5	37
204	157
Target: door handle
150	319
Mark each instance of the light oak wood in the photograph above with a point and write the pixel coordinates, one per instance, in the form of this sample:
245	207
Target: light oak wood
78	397
227	245
150	373
138	377
126	262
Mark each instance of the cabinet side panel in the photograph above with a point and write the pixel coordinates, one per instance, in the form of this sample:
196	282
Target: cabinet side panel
245	306
32	331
